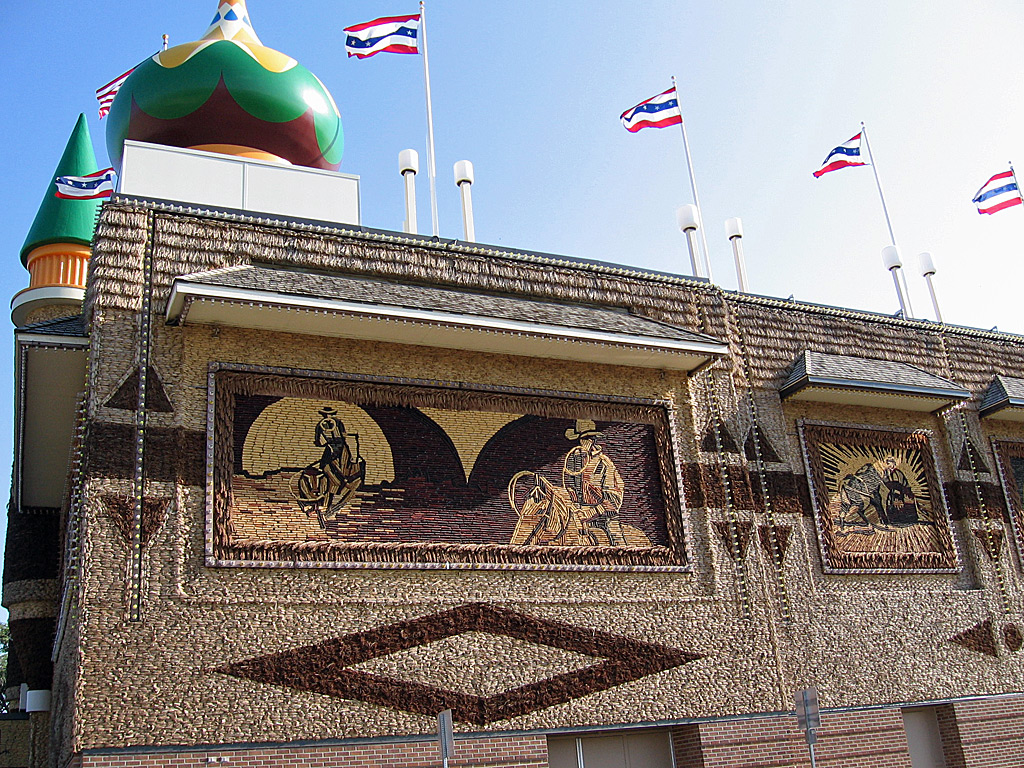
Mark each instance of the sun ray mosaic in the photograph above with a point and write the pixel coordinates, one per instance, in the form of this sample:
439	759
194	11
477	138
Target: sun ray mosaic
877	499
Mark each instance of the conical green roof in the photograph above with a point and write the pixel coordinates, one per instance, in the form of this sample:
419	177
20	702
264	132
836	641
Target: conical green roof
60	220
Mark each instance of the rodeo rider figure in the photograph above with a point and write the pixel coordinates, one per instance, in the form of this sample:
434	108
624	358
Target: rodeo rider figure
337	457
593	481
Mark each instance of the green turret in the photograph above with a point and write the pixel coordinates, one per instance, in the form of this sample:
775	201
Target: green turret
58	247
60	220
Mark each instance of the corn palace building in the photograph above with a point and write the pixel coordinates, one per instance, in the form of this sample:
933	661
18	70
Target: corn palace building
285	488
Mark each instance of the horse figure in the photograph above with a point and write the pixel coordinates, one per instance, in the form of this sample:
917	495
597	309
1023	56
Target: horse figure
550	516
889	492
325	486
860	492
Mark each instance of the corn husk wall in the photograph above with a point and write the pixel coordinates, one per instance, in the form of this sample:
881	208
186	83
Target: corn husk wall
756	605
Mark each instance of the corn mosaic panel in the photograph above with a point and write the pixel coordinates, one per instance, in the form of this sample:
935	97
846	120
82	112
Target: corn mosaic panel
347	471
878	501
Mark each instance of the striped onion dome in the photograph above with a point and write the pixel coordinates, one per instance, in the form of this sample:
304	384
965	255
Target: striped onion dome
227	92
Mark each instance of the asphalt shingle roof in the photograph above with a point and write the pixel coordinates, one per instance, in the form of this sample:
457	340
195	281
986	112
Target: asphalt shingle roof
61	326
813	367
1004	391
408	296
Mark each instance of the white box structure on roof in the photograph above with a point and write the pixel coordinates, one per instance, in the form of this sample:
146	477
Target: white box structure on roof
238	183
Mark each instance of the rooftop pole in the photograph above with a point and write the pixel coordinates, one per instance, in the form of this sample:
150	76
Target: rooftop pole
908	310
431	163
693	181
1014	173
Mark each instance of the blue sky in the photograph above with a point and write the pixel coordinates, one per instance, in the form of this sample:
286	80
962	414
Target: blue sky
531	93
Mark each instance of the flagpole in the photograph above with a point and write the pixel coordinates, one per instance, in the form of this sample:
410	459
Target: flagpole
878	183
1021	195
693	181
431	165
885	210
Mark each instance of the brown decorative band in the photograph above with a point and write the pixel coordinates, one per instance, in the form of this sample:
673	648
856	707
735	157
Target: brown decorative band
33	547
788	491
963	500
15	677
324	667
32	639
171	454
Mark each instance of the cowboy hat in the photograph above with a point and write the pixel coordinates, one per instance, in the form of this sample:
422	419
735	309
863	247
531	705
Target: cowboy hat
584	428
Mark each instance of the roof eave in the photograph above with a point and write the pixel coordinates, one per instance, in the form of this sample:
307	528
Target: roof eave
1013	404
945	394
29	337
252	308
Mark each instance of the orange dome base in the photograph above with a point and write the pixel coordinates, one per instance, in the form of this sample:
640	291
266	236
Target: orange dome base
59	264
240	151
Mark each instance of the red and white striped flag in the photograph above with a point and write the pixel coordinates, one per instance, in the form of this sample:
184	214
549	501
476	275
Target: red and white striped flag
999	192
89	187
105	95
657	112
391	34
846	155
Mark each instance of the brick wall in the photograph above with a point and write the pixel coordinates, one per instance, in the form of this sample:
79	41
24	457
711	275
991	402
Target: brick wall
504	752
975	734
949	732
686	747
991	733
866	739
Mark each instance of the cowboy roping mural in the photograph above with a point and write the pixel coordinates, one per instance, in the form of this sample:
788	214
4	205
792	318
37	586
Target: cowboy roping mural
341	481
326	486
584	509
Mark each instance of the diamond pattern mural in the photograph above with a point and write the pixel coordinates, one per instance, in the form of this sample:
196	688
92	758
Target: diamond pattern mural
328	667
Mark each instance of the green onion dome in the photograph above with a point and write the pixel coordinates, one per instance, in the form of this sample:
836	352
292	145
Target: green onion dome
228	92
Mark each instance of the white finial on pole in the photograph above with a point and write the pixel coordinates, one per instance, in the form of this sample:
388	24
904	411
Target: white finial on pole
734	232
409	166
464	180
166	40
688	218
927	272
891	260
431	158
693	181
